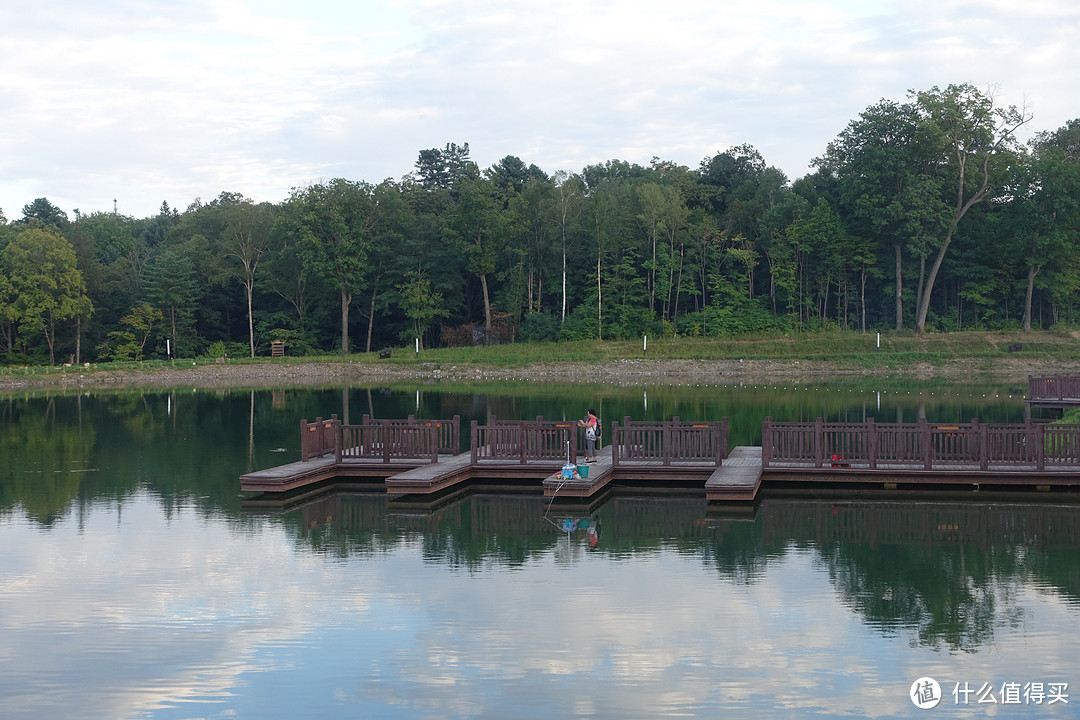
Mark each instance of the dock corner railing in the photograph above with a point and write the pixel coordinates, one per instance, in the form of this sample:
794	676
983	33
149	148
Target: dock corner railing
409	439
319	438
522	441
1051	388
669	441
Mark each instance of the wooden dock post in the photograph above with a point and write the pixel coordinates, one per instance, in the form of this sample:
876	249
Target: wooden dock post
871	443
819	442
926	441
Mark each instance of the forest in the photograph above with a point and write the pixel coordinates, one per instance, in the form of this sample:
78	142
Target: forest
926	214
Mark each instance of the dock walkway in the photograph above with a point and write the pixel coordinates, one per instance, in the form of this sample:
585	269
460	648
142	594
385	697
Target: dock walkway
600	473
411	457
738	478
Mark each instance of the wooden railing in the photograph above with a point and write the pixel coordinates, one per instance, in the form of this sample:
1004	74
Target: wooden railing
1057	387
920	445
447	432
319	438
669	441
522	441
388	440
409	439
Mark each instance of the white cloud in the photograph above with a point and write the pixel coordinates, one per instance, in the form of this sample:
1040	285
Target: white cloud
146	102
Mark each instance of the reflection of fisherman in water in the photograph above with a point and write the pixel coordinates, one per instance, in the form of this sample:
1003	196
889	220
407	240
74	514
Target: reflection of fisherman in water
591	526
593	532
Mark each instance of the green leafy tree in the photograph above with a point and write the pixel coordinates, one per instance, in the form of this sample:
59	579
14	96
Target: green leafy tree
171	286
420	304
245	239
45	286
129	342
976	138
1044	211
569	197
440	169
883	161
482	224
333	223
393	221
44	212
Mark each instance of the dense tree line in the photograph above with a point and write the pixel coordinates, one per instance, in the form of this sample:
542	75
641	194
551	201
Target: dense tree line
926	214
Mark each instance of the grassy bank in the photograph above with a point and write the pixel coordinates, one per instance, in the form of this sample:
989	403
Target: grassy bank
857	349
979	350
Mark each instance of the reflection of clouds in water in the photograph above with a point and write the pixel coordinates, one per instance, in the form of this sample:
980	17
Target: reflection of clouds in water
131	611
122	613
668	637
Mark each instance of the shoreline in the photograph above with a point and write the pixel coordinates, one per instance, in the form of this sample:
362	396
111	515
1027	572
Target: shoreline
623	372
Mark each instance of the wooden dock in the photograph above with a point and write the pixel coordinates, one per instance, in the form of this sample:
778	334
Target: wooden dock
600	474
411	458
1054	390
738	478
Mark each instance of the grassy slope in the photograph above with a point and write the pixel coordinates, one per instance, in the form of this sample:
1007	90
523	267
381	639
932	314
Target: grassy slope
854	350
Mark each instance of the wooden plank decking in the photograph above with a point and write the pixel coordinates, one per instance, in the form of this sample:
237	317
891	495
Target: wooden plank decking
303	473
738	478
432	478
600	473
677	455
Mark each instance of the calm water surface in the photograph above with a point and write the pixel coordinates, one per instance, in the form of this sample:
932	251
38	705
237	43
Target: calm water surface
135	582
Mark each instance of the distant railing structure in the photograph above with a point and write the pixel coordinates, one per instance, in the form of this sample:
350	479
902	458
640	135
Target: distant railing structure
319	438
668	442
1054	388
447	432
921	446
379	440
524	441
385	440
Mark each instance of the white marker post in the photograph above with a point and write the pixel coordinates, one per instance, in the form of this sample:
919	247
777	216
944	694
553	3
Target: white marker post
644	344
418	347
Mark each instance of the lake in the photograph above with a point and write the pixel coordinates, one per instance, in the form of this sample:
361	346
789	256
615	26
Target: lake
137	582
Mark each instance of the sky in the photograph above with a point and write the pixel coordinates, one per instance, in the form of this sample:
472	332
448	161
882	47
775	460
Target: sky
129	103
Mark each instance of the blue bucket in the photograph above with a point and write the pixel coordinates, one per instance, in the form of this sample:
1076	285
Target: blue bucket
583	470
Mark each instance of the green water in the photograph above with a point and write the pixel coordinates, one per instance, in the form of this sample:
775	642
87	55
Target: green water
136	581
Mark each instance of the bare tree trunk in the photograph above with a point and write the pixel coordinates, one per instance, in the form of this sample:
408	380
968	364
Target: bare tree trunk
599	305
563	316
678	287
172	323
371	315
251	321
899	286
1032	272
862	299
922	277
487	310
50	337
346	298
529	290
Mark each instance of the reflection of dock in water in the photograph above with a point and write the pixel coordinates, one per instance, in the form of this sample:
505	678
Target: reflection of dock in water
480	512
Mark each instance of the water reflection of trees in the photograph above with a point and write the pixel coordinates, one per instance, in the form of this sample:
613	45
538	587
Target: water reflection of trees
948	573
189	447
45	459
